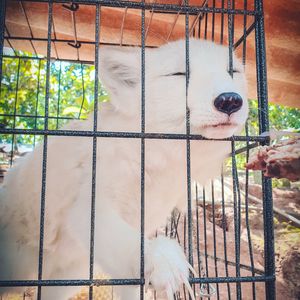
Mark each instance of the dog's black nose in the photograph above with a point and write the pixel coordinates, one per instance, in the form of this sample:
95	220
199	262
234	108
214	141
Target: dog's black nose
228	103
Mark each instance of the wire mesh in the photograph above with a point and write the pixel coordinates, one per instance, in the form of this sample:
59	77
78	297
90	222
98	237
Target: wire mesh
220	273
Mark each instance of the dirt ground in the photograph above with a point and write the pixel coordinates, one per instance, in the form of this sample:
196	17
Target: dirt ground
287	240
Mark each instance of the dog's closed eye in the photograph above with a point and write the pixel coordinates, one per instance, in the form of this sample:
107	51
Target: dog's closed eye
176	74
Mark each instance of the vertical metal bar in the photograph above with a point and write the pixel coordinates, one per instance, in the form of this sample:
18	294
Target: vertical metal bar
83	91
94	155
198	234
15	112
262	90
247	216
230	39
261	70
235	184
237	223
230	5
2	29
199	27
214	235
222	23
142	262
205	25
224	225
213	22
268	237
205	238
45	150
184	247
245	33
58	96
233	19
37	100
188	142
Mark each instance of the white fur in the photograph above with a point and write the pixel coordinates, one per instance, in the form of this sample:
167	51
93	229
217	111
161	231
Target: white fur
68	190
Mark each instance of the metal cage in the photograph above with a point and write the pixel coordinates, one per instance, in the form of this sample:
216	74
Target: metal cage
200	22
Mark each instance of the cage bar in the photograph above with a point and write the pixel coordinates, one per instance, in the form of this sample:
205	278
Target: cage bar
202	21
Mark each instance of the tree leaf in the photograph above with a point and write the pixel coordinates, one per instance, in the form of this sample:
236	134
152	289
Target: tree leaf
71	110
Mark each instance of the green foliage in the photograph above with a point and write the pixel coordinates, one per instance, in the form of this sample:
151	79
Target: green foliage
280	117
281	183
23	90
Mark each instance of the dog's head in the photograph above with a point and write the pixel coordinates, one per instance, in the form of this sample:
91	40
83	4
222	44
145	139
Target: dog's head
217	102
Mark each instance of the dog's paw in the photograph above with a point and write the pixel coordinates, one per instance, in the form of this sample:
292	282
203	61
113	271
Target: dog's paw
166	267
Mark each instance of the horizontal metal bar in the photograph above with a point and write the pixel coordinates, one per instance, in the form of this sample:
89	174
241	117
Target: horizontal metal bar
262	278
73	282
172	136
231	263
184	9
101	282
56	40
39	117
85	62
244	149
24	57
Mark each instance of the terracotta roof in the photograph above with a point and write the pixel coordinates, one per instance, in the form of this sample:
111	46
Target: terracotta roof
122	26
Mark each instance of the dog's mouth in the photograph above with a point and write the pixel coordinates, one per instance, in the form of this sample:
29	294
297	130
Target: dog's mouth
219	130
220	125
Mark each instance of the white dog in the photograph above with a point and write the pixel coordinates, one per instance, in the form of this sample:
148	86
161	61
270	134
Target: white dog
218	109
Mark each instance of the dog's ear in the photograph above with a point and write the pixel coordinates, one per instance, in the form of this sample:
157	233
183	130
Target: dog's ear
119	68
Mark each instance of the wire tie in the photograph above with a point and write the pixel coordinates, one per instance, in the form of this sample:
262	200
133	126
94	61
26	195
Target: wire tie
75	45
72	7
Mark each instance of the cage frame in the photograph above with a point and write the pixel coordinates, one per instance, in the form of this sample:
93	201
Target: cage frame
258	26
